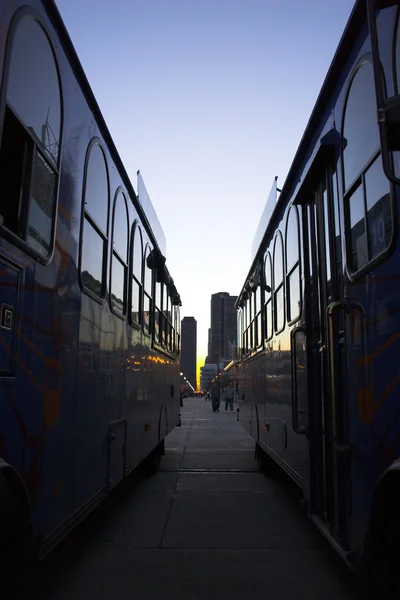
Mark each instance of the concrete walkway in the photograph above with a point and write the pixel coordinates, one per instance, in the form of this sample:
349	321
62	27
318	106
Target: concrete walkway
207	526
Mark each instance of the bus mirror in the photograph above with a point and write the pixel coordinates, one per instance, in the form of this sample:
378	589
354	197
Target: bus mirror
392	122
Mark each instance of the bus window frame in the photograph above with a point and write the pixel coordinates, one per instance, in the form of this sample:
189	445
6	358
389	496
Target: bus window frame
115	253
293	207
270	297
359	180
276	330
13	238
99	299
136	228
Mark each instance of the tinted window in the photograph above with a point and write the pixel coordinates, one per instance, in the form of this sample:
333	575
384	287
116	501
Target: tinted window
41	206
292	240
379	215
146	313
118	271
31	138
358	242
327	240
292	266
147	274
137	261
158	294
33	90
95	204
136	298
121	227
92	260
257	298
397	55
278	262
137	254
268	298
96	193
360	131
293	289
279	310
268	275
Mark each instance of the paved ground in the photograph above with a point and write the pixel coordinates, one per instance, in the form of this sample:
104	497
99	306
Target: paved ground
208	525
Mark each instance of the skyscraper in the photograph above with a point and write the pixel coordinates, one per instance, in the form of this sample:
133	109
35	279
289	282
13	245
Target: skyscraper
188	349
223	331
207	374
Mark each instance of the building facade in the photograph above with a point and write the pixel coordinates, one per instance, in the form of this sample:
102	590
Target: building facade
207	374
223	331
189	349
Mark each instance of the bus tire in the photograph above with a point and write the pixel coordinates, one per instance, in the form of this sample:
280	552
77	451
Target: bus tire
17	555
152	462
380	573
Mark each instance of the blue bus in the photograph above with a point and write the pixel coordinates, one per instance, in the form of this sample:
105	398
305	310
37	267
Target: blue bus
319	311
89	313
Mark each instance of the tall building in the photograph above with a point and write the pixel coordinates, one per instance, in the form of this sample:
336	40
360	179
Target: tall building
223	331
188	349
207	374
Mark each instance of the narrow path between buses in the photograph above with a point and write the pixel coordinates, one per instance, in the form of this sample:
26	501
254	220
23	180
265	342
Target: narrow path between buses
207	525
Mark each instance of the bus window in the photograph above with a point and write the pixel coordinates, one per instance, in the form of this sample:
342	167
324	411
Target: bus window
369	223
268	297
293	266
147	293
257	317
95	222
239	318
30	145
279	305
178	330
158	317
119	261
249	321
137	266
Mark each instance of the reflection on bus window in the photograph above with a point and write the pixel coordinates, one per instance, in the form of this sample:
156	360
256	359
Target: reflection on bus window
367	190
360	126
42	198
137	262
279	306
118	286
119	261
92	261
268	297
30	143
379	217
293	266
95	222
157	318
146	313
147	282
359	251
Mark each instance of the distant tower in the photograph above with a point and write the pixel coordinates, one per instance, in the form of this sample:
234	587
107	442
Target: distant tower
188	349
223	331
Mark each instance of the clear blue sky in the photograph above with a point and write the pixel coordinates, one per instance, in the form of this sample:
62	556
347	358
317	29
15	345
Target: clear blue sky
209	99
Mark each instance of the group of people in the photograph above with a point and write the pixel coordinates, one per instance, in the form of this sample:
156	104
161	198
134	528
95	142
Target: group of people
217	394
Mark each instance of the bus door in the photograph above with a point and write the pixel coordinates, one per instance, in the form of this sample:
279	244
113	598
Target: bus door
325	332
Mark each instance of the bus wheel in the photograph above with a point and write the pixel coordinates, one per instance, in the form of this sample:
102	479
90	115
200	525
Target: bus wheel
152	462
380	577
17	556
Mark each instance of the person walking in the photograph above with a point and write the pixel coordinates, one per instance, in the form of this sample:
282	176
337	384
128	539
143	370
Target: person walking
215	397
228	394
